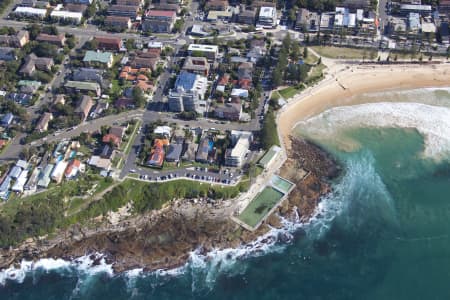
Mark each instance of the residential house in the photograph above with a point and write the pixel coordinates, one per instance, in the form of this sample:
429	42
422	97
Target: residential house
307	21
157	154
81	8
196	65
7	54
30	12
112	139
44	176
89	74
107	152
85	2
190	149
20	39
241	93
67	16
118	22
144	62
15	171
124	10
101	107
257	50
229	111
200	30
72	169
100	163
42	125
29	86
32	63
84	107
7	119
217	5
58	40
130	2
125	103
20	182
21	98
109	43
204	148
215	15
174	151
58	171
31	184
4	188
163	131
354	4
159	21
167	6
104	58
3	143
59	99
81	86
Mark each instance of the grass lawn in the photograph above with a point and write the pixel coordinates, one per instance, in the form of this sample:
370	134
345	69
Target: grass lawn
275	95
115	87
317	71
260	206
131	137
311	59
343	52
289	92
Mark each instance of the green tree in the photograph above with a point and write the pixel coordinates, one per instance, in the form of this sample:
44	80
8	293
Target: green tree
269	134
138	97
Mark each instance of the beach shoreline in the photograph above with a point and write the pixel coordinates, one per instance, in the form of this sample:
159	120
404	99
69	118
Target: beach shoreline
341	88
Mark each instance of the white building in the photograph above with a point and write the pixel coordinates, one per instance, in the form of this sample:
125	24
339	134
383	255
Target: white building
208	51
235	157
243	93
70	16
20	182
30	12
58	171
165	131
267	17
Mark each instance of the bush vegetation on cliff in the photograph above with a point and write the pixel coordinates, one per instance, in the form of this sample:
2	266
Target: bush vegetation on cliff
42	213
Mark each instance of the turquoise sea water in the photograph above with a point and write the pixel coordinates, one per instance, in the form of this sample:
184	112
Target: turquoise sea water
383	234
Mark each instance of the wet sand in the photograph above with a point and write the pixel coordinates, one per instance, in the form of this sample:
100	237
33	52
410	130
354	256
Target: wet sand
340	88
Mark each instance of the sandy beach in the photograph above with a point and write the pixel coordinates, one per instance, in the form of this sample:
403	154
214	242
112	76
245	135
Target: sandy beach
339	88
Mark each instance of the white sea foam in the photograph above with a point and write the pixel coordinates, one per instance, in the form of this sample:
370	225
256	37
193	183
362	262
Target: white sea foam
87	265
433	122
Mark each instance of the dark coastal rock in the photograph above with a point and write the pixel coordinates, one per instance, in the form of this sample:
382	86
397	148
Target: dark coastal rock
164	239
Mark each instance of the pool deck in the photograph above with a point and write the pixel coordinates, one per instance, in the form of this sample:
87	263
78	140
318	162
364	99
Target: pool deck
269	183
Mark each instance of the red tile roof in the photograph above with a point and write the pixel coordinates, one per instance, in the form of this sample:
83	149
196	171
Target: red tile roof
108	138
161	13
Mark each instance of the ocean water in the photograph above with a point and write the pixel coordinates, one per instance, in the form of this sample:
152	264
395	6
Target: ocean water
384	233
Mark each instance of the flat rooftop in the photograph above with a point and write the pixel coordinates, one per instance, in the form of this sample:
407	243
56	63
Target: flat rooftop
269	156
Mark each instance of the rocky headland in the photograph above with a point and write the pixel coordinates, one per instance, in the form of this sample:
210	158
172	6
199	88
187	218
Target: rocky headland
163	239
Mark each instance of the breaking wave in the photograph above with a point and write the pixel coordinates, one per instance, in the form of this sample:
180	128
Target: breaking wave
433	122
203	269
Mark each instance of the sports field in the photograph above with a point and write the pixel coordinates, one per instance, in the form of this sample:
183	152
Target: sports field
260	206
